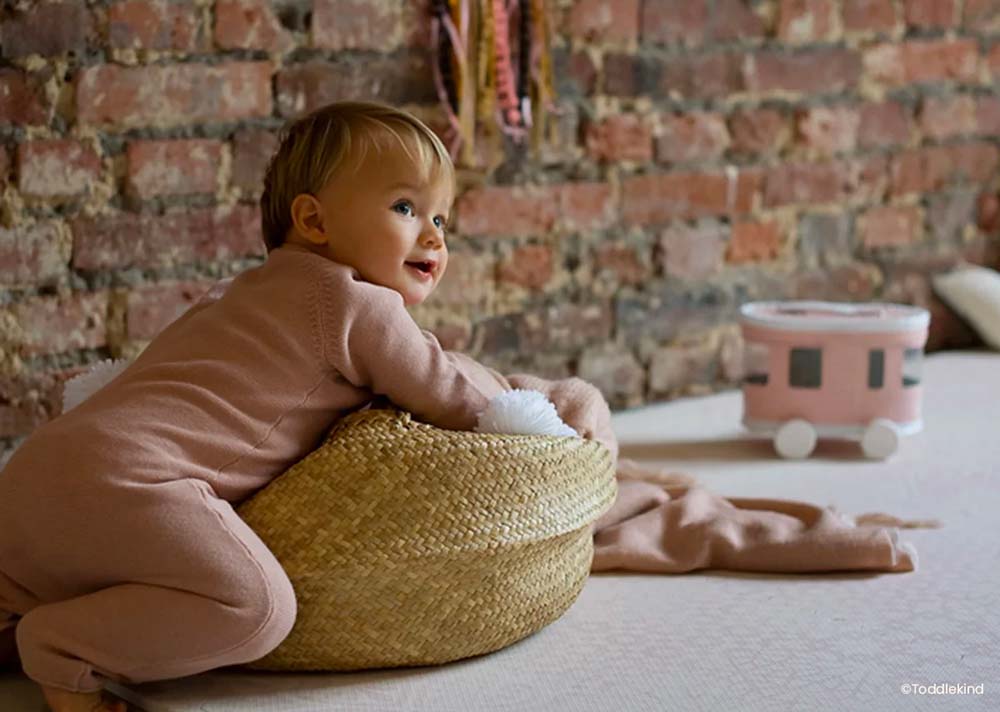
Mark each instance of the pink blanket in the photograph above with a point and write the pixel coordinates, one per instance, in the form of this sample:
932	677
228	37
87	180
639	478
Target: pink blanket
667	523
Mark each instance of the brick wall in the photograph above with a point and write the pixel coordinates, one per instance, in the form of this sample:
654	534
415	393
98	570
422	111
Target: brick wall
707	152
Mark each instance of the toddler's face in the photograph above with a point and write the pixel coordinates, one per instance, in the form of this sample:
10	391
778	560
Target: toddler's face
387	221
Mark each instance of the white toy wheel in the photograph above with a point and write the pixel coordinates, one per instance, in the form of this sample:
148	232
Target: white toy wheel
881	439
795	439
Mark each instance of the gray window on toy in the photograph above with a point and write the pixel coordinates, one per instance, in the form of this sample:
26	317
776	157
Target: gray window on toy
876	369
805	367
913	363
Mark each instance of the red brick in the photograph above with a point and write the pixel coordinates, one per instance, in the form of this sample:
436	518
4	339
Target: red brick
400	78
736	20
47	29
993	61
942	59
125	97
806	21
149	309
698	136
358	24
945	117
503	210
929	169
22	99
252	150
702	76
622	137
413	18
931	14
51	325
32	255
759	132
754	242
181	237
173	167
586	206
691	252
810	71
828	130
605	20
674	21
157	25
659	198
988	115
890	226
57	168
924	61
792	183
982	15
885	124
628	266
252	24
531	266
869	16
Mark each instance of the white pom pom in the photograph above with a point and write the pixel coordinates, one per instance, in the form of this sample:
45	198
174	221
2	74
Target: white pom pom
522	412
82	386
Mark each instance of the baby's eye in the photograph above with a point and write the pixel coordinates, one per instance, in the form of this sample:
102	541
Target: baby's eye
404	204
439	221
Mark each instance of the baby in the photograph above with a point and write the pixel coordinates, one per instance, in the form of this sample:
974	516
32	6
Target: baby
121	557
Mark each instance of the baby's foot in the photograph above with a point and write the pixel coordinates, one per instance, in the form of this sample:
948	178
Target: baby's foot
65	701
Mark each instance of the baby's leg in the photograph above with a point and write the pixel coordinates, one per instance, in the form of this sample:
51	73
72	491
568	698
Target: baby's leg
188	587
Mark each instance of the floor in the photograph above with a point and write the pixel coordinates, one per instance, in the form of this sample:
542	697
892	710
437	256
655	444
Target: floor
726	640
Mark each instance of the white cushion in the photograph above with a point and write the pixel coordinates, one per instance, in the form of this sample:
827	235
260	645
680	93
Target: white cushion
973	292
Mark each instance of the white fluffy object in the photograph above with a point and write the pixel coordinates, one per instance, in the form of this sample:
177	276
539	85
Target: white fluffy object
522	412
83	385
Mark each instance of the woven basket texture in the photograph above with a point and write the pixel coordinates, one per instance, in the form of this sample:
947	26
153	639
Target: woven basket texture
409	545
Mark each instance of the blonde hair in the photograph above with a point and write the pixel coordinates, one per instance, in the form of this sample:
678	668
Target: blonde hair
313	147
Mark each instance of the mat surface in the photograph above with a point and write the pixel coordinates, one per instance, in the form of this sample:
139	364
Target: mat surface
716	640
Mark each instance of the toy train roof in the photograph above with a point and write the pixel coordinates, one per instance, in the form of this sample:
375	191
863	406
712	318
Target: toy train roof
834	316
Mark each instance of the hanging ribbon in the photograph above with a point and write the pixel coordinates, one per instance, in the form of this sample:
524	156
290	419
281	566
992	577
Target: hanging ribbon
492	70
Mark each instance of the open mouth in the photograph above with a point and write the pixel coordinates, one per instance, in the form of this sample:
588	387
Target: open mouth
424	267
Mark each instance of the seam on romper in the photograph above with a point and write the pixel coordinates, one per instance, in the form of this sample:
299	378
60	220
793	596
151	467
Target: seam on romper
276	423
267	585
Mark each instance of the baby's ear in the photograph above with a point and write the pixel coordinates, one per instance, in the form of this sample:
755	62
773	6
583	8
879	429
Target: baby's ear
308	219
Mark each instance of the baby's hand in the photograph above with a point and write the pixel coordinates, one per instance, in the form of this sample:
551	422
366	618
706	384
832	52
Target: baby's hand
580	404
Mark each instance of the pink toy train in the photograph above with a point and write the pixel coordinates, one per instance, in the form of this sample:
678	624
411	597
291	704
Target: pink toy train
833	370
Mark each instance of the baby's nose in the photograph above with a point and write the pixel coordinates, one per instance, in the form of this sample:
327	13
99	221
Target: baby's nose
431	237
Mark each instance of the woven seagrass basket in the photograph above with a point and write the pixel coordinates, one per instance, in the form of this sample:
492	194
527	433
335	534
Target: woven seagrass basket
411	545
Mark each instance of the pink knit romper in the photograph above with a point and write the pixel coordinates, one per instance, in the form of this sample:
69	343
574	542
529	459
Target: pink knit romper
121	556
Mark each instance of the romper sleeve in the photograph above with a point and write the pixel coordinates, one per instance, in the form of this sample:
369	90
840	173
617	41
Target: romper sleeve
372	341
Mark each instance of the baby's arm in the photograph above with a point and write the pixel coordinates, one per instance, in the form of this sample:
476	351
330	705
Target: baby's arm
373	342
